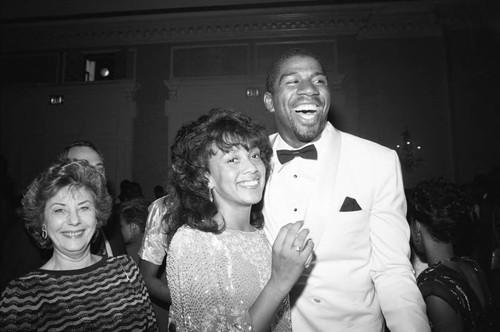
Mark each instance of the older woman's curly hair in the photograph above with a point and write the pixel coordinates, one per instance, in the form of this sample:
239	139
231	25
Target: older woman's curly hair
66	173
442	207
188	196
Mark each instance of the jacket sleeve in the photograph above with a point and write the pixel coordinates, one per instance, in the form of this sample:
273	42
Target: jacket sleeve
391	271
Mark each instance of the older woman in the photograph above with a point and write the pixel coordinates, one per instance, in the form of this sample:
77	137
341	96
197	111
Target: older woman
74	290
221	270
454	288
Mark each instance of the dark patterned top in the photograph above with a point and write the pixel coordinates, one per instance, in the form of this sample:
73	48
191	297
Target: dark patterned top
107	296
451	286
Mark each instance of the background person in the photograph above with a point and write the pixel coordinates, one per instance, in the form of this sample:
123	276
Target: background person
74	290
455	289
133	215
350	194
152	261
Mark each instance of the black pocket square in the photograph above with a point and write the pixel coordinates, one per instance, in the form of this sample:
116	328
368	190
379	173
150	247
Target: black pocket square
349	205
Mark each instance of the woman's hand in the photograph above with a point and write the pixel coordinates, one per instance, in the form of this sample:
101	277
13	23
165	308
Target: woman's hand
291	251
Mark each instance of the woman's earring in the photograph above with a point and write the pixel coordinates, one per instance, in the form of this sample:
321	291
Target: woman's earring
210	195
44	232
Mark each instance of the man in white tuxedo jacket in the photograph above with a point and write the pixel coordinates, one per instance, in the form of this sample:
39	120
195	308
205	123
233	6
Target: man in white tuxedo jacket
350	194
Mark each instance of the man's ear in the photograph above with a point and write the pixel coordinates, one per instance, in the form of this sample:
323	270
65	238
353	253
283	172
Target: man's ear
134	229
268	101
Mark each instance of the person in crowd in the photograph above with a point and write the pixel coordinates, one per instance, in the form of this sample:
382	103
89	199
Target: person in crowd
454	288
152	261
63	209
349	192
133	215
159	191
125	188
109	241
221	270
20	254
8	197
84	150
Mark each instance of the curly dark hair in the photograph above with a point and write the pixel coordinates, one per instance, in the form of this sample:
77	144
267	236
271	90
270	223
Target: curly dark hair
275	67
135	211
442	207
188	197
74	174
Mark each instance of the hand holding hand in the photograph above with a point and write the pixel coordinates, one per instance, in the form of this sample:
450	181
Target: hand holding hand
291	251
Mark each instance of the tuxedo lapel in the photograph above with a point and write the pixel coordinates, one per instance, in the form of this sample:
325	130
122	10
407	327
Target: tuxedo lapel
325	194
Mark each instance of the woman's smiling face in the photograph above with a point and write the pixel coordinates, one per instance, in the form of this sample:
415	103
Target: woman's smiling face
237	177
70	218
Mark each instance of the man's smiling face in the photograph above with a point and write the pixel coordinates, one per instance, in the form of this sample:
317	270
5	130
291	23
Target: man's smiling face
300	100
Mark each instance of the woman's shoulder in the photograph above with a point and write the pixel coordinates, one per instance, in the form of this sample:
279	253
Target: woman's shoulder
158	208
26	282
191	234
191	241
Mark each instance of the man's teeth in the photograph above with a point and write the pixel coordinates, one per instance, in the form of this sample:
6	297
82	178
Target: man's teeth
307	108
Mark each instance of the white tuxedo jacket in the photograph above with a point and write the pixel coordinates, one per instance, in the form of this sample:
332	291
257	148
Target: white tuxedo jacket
361	271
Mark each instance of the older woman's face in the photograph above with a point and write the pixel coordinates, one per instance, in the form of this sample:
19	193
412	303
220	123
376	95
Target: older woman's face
70	217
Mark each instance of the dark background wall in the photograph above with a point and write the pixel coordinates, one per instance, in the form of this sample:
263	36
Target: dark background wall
427	67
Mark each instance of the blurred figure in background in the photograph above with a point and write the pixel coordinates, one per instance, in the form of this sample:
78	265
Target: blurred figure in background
159	191
133	215
454	288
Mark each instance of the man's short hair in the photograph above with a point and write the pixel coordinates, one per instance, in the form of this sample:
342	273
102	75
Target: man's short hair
76	144
275	67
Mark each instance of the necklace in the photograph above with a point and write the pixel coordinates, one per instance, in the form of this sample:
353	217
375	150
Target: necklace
451	259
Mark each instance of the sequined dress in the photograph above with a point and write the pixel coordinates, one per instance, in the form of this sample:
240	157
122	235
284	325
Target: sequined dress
215	278
451	286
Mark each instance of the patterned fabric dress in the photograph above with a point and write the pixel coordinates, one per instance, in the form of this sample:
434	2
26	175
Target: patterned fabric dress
107	296
451	286
215	279
154	243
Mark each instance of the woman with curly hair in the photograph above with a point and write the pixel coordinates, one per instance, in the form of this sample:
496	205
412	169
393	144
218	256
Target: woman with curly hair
222	273
74	290
454	288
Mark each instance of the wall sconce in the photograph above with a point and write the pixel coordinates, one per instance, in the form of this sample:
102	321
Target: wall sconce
252	92
56	99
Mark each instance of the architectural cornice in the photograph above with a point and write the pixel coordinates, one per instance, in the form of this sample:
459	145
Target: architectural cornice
361	21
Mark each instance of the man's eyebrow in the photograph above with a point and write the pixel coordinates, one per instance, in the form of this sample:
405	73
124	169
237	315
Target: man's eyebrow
296	73
285	75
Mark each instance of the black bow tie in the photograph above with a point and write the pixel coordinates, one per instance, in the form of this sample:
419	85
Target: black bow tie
307	152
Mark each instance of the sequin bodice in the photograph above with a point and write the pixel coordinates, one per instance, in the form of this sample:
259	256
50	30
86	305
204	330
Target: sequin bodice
451	286
214	279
